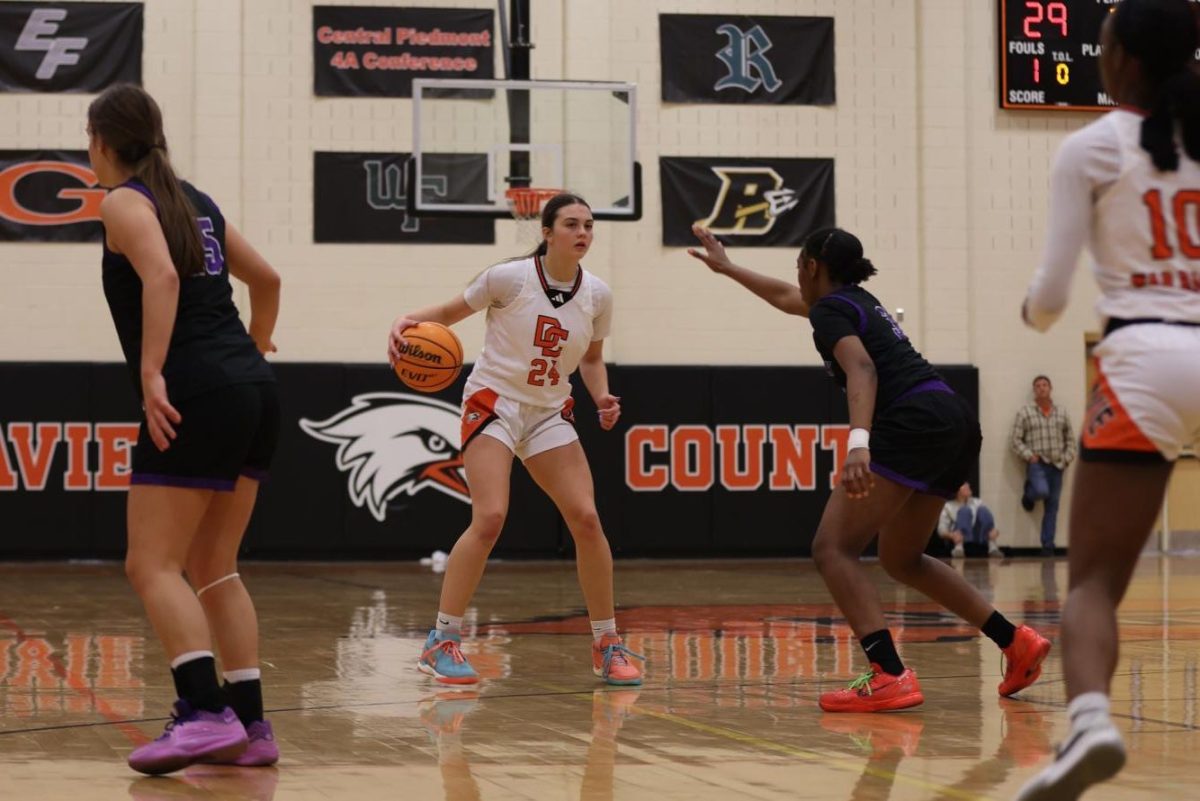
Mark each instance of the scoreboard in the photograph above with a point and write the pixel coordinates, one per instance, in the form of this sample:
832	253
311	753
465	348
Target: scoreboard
1049	54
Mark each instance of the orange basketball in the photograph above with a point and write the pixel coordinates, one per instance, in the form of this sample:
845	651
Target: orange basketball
431	357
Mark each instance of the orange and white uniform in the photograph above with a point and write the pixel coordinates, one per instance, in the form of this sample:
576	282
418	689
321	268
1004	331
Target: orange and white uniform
1142	229
537	333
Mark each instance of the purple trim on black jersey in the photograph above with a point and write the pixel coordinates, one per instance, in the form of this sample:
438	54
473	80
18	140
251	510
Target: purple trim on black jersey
862	313
138	186
182	482
932	385
256	474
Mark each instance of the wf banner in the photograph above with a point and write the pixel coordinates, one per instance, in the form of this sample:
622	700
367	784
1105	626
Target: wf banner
748	202
377	51
725	58
69	47
362	197
48	195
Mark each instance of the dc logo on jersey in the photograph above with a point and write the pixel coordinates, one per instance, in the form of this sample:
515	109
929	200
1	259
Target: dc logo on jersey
386	189
749	202
745	58
38	36
395	444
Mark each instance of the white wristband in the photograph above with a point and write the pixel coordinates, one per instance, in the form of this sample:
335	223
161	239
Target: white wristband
859	438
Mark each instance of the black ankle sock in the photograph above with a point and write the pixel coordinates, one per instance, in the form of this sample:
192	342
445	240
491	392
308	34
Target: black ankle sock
881	650
196	683
246	699
999	630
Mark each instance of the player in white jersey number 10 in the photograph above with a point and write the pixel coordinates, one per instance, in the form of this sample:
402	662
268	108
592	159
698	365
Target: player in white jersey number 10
1127	186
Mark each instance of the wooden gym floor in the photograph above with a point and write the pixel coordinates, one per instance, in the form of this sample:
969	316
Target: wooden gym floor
737	652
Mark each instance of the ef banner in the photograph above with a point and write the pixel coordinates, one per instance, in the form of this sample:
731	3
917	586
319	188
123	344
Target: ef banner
748	202
49	196
69	47
377	51
361	197
726	58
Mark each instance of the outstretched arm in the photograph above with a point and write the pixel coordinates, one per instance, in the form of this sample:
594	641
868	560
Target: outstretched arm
780	294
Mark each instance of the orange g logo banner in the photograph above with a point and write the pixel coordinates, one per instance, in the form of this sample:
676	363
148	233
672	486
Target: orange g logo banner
48	196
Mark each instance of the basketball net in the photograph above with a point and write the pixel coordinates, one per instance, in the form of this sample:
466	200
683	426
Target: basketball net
525	204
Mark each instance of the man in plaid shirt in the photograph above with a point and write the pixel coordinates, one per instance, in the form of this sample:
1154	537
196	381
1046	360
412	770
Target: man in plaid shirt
1042	436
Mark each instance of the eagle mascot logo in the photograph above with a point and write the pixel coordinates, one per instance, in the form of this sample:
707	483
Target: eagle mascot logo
394	444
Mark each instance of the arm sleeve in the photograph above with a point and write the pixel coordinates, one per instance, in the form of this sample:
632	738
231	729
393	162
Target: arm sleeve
602	326
496	286
1088	161
831	323
1018	438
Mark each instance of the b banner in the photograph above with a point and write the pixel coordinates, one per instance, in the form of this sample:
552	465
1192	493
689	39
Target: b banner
375	51
726	58
740	461
69	47
49	196
361	197
748	202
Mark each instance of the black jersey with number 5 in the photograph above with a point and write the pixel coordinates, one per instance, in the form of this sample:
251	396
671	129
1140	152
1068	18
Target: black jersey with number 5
209	345
853	311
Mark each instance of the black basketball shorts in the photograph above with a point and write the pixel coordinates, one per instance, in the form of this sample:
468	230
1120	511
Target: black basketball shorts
928	441
225	433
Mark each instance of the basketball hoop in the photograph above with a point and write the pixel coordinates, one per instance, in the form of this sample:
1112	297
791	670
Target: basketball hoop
525	202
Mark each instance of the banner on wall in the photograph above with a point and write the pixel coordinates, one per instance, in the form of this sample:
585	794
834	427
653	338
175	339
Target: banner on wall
748	202
361	197
740	461
69	47
726	58
48	196
375	51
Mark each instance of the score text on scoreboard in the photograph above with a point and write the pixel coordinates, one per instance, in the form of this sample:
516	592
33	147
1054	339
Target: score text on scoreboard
1049	54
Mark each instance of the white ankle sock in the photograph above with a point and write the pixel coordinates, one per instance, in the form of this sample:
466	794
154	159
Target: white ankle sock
245	674
447	622
1086	709
602	627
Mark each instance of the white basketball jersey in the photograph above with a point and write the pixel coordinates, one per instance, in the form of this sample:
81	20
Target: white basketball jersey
1145	239
534	341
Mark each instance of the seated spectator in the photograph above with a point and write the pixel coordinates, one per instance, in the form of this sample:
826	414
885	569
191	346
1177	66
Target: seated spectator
966	522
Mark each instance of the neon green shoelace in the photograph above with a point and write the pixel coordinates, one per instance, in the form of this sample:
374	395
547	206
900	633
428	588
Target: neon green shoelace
863	682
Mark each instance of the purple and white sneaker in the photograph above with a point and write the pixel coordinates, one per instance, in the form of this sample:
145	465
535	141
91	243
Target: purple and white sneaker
261	751
192	735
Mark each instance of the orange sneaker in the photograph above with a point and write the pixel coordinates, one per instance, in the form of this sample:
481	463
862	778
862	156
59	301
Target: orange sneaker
1024	657
610	661
875	692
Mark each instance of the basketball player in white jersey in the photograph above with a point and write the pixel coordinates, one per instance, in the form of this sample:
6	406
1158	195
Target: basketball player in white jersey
546	316
1128	187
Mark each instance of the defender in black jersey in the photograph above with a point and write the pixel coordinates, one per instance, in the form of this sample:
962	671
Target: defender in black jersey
210	427
912	443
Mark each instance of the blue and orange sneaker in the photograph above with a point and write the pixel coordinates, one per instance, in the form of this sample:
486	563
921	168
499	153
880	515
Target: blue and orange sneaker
1024	657
610	661
876	691
192	735
444	660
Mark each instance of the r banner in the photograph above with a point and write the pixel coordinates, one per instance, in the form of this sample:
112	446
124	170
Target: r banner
49	196
374	51
360	197
759	202
726	58
69	47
